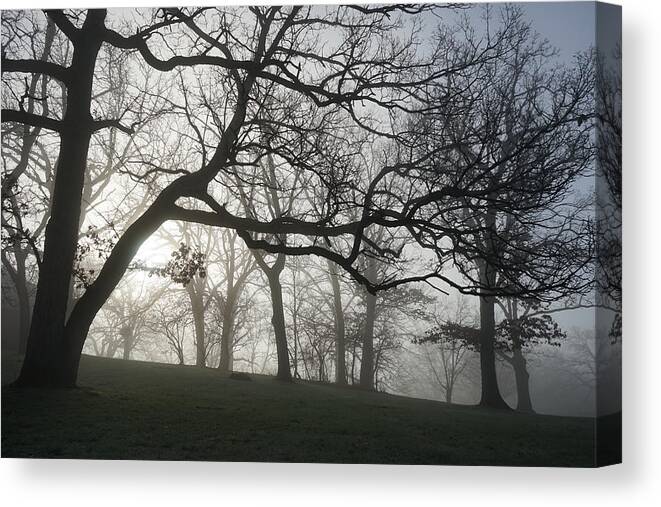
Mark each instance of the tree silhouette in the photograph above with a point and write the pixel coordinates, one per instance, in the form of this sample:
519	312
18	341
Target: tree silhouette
447	177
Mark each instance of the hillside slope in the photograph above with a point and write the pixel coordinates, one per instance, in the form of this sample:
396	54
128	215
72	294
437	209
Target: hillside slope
137	410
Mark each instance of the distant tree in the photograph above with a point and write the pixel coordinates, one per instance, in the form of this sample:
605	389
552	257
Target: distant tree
444	352
317	301
277	204
167	318
187	266
123	323
238	266
381	322
524	326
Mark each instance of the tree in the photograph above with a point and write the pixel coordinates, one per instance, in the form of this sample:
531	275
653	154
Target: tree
524	326
187	267
609	186
522	141
172	321
49	360
317	302
238	266
272	272
124	321
447	360
339	325
17	239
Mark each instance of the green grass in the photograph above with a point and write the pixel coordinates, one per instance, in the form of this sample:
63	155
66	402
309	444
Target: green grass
137	410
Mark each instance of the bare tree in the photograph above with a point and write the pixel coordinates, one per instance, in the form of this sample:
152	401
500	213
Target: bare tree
125	318
282	95
172	321
521	141
238	266
609	186
446	356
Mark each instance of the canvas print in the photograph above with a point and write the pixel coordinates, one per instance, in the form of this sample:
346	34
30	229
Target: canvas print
361	233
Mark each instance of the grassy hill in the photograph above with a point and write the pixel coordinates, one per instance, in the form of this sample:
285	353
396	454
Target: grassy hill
137	410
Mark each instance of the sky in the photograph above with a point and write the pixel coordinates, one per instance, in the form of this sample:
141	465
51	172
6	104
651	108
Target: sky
569	26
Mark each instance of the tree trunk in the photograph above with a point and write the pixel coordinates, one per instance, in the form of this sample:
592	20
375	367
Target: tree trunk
197	308
278	321
490	394
521	376
19	280
112	348
96	294
127	342
226	352
524	402
48	359
24	310
340	344
367	357
86	200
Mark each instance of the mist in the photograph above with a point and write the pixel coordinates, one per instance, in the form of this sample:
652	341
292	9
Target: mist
402	203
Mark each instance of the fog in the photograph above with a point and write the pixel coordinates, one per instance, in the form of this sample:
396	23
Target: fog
413	201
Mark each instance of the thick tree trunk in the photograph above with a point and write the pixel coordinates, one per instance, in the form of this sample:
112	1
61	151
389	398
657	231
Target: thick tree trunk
48	359
521	376
279	328
524	401
197	308
86	199
340	343
367	357
490	393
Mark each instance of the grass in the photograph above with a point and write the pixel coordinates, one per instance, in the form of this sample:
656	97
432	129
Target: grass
137	410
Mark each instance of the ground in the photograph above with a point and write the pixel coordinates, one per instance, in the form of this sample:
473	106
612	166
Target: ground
138	410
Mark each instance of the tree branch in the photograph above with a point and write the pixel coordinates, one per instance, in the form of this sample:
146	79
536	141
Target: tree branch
63	23
35	67
283	225
111	123
140	43
34	120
